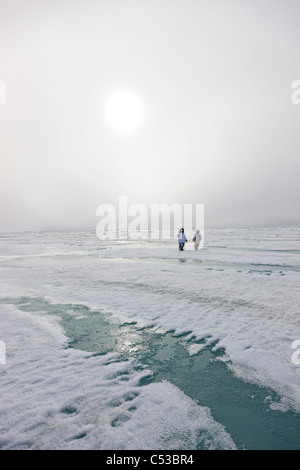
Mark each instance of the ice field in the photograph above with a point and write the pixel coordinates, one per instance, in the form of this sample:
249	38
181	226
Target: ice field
131	344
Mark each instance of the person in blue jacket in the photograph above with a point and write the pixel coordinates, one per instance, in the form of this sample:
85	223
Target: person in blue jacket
181	239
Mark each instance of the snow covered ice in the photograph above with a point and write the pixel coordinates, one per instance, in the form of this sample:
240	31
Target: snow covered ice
237	298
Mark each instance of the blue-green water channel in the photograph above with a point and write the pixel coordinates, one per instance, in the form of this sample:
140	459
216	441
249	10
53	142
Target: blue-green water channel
241	407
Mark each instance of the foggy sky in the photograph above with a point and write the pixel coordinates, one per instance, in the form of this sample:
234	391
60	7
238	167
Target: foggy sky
215	81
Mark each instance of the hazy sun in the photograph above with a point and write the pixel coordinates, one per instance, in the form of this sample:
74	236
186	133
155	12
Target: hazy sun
124	111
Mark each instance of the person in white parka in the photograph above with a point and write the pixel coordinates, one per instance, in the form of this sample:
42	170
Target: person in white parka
181	239
197	239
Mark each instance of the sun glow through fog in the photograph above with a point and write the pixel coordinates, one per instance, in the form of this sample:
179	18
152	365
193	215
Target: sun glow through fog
124	111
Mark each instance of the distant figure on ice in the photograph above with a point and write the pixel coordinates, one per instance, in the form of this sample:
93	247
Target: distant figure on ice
181	239
197	239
